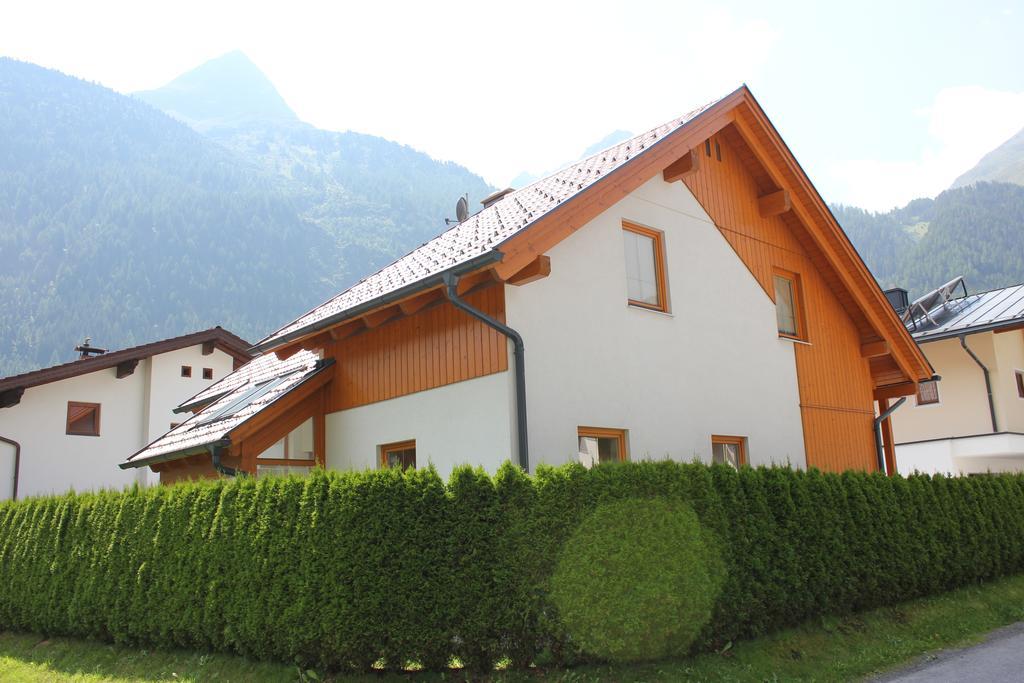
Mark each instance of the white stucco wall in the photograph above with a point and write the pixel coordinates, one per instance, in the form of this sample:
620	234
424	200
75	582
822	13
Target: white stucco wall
52	461
467	422
1009	351
133	411
714	365
977	454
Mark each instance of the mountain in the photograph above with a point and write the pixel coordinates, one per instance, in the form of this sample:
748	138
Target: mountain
1003	164
975	231
120	222
227	91
376	198
613	138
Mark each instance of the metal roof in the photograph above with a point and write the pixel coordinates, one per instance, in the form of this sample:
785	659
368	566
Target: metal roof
214	422
481	233
970	314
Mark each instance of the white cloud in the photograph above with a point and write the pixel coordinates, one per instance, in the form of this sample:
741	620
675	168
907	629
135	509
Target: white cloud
963	124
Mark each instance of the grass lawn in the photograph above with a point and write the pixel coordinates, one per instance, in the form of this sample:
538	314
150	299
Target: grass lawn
826	650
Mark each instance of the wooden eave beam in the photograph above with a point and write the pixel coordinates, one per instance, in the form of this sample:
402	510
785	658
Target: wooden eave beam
126	368
536	269
286	352
346	330
686	165
874	349
11	397
774	203
840	255
208	347
895	391
417	303
381	316
468	283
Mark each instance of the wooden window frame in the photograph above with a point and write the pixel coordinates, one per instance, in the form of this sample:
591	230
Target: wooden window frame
207	373
1019	376
740	441
606	433
798	303
81	404
186	371
386	448
659	266
918	403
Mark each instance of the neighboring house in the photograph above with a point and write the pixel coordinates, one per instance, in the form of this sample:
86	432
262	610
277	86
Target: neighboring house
683	294
68	426
972	421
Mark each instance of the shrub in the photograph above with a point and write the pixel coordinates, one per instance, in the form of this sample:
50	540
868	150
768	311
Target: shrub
345	570
637	580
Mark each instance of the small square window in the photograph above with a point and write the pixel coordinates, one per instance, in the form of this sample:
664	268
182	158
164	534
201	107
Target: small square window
1020	383
927	393
401	454
645	267
600	445
729	450
186	370
83	419
207	373
789	305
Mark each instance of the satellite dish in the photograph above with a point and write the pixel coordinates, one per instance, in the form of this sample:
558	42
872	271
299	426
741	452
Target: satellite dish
462	209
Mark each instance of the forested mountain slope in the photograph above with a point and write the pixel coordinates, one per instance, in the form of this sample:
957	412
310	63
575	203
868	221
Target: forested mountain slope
1004	164
122	223
975	231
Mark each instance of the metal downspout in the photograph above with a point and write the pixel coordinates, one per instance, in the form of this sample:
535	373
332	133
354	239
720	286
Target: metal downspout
988	381
215	452
17	463
451	282
878	432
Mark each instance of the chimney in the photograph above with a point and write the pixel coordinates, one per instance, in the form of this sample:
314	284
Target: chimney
87	350
497	196
898	299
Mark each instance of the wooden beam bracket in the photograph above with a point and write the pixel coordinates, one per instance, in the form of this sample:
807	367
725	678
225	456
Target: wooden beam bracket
381	316
208	347
536	269
126	368
685	165
11	397
774	203
874	349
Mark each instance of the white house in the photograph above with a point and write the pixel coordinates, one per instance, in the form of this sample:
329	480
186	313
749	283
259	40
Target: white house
68	426
683	294
972	421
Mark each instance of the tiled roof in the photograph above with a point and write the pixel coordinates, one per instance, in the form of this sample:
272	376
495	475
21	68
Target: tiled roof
193	433
228	342
973	313
484	231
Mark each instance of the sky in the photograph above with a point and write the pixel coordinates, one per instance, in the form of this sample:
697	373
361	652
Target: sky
882	102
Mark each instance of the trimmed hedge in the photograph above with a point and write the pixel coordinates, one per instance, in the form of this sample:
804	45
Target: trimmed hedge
344	570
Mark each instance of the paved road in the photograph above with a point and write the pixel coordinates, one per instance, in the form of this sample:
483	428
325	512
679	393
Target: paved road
999	658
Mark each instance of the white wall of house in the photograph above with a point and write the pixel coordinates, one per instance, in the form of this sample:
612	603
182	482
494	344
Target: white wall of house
714	365
1009	349
466	422
134	410
1003	452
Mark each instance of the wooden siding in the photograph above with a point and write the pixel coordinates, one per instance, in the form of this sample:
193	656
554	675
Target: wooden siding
835	382
437	346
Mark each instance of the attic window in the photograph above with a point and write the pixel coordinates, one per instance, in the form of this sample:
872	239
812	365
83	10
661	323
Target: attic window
789	313
186	370
1020	383
645	267
83	419
207	373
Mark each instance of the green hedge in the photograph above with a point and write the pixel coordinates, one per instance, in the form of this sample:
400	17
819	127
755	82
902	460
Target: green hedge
344	570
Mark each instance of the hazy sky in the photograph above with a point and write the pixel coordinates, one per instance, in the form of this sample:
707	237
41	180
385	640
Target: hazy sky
881	102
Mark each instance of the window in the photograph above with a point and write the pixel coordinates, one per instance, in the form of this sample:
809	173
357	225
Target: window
645	267
207	373
729	450
186	370
599	445
789	305
401	454
927	393
1020	383
83	419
